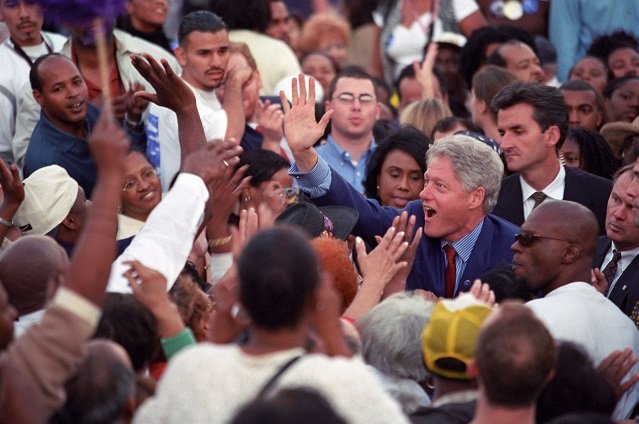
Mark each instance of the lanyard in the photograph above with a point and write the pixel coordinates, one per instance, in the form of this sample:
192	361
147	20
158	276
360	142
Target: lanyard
25	56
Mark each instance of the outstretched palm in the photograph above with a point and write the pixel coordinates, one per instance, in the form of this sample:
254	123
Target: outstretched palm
301	129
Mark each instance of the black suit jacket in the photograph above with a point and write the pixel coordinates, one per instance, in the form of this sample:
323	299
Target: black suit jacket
582	187
625	293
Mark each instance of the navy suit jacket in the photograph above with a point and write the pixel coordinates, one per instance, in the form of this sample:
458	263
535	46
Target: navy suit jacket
428	273
582	187
625	293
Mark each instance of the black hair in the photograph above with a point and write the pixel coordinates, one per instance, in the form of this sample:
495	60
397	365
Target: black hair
200	20
34	74
596	156
279	273
289	406
127	322
254	15
548	104
348	72
603	46
614	84
473	56
99	391
577	85
409	72
334	64
448	123
505	284
576	386
407	139
262	165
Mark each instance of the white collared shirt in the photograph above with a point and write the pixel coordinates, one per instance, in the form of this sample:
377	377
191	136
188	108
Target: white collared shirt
554	190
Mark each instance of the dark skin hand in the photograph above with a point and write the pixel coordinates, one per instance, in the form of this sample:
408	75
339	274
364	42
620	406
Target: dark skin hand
90	266
173	93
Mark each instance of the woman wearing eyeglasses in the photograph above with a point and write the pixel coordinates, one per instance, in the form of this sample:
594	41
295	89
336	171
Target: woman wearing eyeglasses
141	192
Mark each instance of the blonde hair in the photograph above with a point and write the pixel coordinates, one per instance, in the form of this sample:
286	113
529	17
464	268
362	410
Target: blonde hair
424	114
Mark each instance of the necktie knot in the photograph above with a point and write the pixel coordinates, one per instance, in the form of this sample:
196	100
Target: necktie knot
538	197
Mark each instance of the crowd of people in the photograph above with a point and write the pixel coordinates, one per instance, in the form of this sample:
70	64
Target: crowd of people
321	211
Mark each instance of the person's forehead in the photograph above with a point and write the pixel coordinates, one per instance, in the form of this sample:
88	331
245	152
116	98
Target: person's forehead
355	85
579	97
516	51
57	68
623	52
207	39
622	182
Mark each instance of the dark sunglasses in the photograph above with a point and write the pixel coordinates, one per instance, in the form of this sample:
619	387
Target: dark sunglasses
528	239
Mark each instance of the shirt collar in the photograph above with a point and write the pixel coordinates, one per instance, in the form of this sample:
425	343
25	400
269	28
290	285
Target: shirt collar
554	190
338	150
464	246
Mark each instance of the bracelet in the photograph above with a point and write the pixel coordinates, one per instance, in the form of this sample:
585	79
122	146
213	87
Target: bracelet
133	124
5	222
217	242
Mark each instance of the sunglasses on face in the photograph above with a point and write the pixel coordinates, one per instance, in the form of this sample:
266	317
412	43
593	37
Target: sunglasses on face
528	239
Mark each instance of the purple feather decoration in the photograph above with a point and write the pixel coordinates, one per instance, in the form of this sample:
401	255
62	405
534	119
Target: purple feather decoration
82	12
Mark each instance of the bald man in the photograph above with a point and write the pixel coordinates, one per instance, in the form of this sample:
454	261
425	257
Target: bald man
31	270
553	253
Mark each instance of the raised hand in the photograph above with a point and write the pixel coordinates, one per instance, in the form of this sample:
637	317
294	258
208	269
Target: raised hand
228	319
404	223
170	90
301	129
149	288
378	268
211	160
12	189
383	262
424	73
109	144
271	119
616	367
483	293
598	280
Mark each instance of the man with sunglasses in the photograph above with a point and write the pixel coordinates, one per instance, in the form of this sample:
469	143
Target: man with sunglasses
351	98
553	253
533	121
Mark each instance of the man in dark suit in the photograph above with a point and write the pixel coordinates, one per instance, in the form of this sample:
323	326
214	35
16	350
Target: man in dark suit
461	240
617	253
533	121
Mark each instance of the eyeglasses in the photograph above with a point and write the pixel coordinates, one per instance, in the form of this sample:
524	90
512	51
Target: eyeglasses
528	239
349	99
132	183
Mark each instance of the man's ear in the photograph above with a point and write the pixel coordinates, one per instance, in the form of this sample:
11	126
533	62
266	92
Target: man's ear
571	254
476	198
552	135
483	106
71	222
180	55
37	95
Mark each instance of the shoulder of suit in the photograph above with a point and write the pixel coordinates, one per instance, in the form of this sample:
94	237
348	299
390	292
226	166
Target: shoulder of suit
587	176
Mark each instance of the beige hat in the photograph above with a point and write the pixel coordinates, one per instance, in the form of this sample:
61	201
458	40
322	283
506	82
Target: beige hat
49	194
451	38
616	133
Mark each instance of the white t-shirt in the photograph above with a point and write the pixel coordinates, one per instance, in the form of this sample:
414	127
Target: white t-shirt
163	145
578	313
209	383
